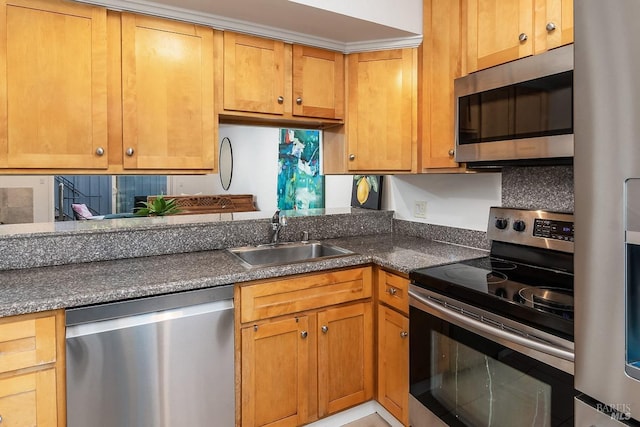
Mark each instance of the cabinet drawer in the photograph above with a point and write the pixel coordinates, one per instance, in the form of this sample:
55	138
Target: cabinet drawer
272	298
29	399
27	341
393	290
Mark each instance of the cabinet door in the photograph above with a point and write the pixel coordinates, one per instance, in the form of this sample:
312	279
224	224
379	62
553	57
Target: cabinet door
53	85
276	373
495	29
441	58
253	74
393	363
29	399
167	91
382	105
318	83
554	24
345	357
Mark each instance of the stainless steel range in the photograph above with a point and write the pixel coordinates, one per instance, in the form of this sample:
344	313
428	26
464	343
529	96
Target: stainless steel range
492	337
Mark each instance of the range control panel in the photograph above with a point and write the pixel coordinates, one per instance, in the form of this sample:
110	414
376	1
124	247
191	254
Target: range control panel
549	230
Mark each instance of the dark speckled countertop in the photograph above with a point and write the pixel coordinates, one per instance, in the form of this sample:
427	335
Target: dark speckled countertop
72	285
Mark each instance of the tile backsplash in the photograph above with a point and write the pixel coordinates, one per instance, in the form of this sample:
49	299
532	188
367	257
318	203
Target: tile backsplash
16	205
543	187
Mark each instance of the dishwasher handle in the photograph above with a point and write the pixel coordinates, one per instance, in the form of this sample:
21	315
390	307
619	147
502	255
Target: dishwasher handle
92	328
153	304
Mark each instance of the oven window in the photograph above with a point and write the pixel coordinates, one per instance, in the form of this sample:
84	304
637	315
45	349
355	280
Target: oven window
467	380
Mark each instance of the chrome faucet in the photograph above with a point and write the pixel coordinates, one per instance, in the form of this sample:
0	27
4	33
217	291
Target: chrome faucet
277	222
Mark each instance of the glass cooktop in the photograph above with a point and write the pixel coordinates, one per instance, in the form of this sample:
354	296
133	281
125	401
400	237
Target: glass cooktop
540	297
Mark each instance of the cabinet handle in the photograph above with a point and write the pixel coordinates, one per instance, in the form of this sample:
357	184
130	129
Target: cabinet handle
325	329
304	334
129	152
523	37
280	99
392	291
551	26
452	152
404	334
299	101
99	152
352	157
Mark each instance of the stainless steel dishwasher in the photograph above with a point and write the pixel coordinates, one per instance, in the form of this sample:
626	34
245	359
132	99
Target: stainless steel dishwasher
156	362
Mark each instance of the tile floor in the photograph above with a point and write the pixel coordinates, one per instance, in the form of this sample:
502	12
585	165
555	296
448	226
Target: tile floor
373	420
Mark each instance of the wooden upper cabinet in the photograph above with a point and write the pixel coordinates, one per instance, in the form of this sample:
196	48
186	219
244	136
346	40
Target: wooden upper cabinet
270	79
168	119
500	31
53	85
318	83
382	111
441	59
496	29
554	24
254	74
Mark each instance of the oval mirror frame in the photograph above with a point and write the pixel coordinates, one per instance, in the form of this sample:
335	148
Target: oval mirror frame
225	164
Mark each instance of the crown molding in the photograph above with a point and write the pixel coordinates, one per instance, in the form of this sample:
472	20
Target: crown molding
223	23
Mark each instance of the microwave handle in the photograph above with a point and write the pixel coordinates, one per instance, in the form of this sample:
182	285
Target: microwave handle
492	331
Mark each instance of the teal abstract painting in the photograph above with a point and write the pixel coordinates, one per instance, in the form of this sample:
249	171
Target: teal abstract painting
300	184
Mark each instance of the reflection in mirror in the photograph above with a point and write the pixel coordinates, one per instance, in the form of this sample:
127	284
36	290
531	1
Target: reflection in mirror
255	172
226	163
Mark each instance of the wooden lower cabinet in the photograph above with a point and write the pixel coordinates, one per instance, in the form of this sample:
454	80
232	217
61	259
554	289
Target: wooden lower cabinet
29	399
275	373
345	357
392	326
304	356
32	374
393	363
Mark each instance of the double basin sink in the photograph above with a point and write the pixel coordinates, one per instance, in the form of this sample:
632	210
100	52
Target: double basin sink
286	253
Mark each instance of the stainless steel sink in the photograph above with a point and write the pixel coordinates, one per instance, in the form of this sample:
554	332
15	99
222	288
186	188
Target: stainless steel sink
286	253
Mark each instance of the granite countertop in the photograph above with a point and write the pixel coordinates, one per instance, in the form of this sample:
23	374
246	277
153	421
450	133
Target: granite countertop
45	288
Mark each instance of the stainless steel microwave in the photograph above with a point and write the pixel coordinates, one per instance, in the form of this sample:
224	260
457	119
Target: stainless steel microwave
517	113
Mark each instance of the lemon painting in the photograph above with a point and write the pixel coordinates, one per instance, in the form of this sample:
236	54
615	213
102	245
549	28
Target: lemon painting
366	191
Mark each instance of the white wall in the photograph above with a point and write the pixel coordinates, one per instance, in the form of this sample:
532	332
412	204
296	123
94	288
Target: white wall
454	200
406	15
255	171
43	200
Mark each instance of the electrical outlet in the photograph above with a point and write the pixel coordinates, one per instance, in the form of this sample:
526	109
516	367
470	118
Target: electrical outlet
420	209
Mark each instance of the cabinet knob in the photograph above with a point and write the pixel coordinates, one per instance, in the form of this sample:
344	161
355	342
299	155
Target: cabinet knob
280	99
99	152
352	157
452	152
392	291
550	27
304	334
129	152
325	329
523	37
299	101
404	334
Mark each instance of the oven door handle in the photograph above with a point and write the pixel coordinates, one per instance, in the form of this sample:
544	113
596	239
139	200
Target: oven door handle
449	315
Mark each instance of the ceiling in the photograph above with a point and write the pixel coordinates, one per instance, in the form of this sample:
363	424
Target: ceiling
282	19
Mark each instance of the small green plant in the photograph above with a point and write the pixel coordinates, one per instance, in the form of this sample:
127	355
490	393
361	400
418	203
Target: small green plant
159	207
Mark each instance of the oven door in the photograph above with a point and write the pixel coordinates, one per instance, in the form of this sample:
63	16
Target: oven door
461	375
